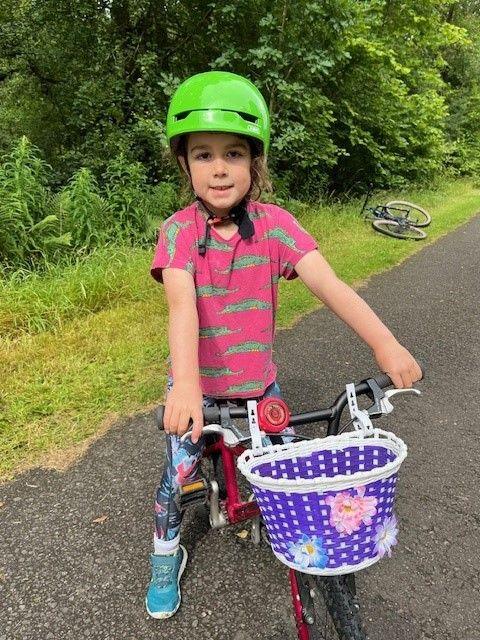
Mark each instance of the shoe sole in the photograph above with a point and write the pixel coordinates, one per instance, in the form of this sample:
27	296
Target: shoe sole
169	614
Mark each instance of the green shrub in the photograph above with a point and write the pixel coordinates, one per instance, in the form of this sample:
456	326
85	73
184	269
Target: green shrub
84	213
30	236
137	206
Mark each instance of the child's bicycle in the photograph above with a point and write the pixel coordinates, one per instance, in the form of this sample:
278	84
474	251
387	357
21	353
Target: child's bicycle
325	607
397	218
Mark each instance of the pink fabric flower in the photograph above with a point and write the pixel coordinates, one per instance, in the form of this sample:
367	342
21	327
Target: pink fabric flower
349	512
367	505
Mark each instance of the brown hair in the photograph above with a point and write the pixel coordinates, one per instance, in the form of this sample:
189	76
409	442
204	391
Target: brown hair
260	180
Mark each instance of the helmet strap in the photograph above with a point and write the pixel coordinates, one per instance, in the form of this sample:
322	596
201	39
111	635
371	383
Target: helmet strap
238	215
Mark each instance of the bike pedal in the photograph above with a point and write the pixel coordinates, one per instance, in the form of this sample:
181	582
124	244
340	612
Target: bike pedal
194	492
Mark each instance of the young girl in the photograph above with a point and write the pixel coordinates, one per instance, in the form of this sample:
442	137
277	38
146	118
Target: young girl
220	260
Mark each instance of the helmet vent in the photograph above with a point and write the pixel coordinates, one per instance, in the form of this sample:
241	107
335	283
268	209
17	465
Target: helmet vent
182	116
246	116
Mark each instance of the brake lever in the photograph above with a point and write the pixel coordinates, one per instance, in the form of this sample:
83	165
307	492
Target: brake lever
231	435
383	406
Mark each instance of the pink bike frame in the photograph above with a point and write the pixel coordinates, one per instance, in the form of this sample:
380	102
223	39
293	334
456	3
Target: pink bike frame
238	510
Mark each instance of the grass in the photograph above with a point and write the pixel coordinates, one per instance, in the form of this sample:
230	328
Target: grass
35	303
88	343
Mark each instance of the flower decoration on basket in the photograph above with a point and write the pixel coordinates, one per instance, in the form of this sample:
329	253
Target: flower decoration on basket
308	552
386	536
349	512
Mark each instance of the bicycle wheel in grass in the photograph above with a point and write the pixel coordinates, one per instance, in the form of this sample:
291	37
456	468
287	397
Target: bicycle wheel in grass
411	212
330	607
397	230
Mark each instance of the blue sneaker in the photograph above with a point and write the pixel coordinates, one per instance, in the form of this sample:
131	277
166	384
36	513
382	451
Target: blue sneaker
163	595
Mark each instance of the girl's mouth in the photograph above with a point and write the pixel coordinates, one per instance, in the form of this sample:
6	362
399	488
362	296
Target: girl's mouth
221	189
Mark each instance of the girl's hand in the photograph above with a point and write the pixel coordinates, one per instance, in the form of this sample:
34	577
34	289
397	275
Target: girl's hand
398	363
184	403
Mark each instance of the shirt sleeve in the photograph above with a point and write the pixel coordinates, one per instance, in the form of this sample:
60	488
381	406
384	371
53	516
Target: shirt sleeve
174	248
293	243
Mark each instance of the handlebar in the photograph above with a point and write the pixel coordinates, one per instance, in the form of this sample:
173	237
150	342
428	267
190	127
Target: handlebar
219	413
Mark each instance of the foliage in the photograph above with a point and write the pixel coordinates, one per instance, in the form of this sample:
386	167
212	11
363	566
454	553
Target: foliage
125	184
381	90
354	88
29	235
85	214
39	227
462	78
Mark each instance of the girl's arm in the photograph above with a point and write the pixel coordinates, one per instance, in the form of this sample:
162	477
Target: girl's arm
391	357
184	402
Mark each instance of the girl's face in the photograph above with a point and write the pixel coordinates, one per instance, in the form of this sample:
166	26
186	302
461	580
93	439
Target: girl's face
219	166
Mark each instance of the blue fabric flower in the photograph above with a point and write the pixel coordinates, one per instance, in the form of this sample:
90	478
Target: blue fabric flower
308	552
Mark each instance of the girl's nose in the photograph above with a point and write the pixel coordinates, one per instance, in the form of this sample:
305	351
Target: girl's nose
219	167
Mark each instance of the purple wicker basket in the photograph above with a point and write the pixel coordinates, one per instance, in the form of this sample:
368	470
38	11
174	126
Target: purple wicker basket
328	503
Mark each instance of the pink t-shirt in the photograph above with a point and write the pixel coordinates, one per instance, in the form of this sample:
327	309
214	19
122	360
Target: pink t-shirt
236	284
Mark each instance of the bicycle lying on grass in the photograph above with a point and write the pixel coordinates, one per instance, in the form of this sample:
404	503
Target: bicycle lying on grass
325	505
397	218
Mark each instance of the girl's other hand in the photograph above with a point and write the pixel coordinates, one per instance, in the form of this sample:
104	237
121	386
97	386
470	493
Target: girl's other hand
184	403
398	363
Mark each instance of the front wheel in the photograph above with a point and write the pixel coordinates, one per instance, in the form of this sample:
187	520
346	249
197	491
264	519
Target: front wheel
398	230
411	212
330	607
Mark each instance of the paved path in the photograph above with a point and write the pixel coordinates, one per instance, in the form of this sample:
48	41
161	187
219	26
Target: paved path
63	575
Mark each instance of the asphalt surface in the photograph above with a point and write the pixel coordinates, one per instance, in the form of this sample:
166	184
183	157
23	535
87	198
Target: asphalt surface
74	546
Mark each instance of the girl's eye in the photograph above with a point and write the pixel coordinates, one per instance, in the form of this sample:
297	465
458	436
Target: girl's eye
205	155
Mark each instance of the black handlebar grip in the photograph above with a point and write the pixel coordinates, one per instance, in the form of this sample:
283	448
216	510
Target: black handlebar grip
383	380
212	416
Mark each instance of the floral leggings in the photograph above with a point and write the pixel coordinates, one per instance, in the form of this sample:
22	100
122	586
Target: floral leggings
181	464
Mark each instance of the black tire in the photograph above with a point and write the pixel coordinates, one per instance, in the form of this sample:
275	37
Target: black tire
412	212
333	604
397	230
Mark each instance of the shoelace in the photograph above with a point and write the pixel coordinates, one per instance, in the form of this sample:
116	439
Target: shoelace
162	575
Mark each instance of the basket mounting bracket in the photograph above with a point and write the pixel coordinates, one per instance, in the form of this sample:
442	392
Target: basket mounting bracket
360	418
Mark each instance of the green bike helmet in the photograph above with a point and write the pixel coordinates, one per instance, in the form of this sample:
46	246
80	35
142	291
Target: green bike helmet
218	101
